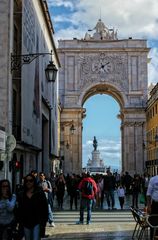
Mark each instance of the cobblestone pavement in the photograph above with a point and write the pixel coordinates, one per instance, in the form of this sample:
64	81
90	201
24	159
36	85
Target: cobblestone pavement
100	231
106	225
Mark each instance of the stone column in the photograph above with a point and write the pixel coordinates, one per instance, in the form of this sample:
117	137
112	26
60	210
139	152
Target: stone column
71	144
132	142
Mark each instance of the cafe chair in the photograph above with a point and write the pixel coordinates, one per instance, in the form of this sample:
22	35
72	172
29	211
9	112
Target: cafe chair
152	221
141	224
136	229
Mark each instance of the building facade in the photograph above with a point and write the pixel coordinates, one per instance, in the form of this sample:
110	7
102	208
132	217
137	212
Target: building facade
151	141
103	64
28	101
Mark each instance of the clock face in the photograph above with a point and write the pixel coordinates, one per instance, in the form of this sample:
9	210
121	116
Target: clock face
105	66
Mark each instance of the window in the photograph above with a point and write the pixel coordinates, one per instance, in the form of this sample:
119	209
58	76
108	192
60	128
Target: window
153	111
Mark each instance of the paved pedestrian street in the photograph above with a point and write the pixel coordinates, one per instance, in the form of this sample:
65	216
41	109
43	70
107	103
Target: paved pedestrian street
106	224
116	225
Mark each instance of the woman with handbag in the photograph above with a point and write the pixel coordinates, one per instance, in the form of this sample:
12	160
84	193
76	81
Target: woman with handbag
32	209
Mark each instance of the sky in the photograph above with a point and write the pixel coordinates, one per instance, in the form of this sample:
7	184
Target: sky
137	19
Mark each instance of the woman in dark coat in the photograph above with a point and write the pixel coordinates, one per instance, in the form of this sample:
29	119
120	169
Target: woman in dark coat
32	209
60	190
136	187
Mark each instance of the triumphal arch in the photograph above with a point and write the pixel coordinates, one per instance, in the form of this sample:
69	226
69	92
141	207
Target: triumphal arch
100	63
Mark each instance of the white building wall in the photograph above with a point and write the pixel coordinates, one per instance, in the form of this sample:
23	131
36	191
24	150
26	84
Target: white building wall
6	32
34	30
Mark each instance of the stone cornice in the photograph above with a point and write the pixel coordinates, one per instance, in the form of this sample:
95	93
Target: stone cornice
132	110
94	50
133	123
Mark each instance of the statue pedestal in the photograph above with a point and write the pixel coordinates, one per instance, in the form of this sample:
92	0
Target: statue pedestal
96	164
95	158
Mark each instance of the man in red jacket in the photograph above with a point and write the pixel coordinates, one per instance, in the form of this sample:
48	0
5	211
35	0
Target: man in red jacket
88	189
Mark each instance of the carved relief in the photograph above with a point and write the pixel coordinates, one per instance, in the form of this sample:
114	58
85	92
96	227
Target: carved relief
107	67
133	124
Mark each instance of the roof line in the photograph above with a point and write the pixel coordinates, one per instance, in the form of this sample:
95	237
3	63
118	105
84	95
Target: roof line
44	6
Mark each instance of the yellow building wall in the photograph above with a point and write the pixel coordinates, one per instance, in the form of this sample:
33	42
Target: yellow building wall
152	132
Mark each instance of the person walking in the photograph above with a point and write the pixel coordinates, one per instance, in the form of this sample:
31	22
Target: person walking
109	188
100	191
88	189
60	190
121	195
32	209
73	191
52	180
152	198
126	181
145	182
35	174
7	205
135	189
47	188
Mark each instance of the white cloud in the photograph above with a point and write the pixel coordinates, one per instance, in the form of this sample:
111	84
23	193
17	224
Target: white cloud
136	18
132	18
153	66
68	34
60	3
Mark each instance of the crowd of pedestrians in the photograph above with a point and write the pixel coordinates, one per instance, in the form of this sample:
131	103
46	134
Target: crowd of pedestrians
31	207
25	213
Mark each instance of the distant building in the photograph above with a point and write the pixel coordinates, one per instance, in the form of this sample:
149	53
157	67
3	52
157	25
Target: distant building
151	142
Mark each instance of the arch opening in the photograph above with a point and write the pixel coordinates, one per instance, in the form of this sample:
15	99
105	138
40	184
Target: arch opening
107	89
101	120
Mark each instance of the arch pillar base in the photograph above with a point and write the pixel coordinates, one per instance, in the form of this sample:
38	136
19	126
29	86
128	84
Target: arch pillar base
71	144
133	132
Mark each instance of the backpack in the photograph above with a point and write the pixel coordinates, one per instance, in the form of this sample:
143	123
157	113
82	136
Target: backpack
88	188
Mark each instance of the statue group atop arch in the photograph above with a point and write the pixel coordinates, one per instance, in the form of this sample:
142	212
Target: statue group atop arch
101	32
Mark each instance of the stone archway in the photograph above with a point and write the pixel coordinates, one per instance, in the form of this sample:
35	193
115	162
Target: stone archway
103	65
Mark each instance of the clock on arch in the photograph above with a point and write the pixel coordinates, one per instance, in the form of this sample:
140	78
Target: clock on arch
105	66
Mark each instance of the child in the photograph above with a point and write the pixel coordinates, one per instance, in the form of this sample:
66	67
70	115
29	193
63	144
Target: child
121	195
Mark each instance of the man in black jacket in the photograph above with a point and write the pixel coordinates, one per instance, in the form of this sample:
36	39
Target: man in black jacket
109	188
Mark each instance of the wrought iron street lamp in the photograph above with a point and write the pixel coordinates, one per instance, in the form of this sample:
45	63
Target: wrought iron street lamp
72	129
67	145
51	71
18	61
